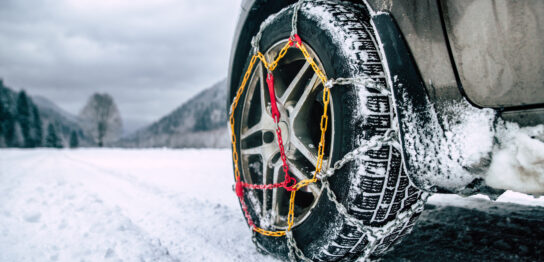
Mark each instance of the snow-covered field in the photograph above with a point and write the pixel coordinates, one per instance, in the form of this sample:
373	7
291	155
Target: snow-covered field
136	205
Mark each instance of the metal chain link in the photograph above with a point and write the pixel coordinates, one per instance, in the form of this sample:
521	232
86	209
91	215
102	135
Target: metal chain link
402	219
294	251
375	143
294	26
373	234
255	41
359	81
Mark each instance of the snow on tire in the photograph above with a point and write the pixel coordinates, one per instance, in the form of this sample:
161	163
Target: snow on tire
374	188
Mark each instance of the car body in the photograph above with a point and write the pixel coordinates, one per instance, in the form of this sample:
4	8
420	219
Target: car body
486	52
489	52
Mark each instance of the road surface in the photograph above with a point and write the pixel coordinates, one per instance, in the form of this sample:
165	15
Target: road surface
177	205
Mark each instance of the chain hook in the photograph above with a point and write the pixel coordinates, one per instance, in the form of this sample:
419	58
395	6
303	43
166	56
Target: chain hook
255	43
295	39
329	84
290	180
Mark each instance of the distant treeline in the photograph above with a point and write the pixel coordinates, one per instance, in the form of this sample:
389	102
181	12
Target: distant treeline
21	124
34	121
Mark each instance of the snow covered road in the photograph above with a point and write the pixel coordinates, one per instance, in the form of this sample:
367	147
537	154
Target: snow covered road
177	205
132	205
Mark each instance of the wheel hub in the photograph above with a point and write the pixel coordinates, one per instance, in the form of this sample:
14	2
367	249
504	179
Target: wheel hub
297	89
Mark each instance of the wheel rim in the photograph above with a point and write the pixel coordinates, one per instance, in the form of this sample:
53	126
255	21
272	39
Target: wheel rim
299	94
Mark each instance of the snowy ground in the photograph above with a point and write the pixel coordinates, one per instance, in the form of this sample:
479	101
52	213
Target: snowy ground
177	205
139	205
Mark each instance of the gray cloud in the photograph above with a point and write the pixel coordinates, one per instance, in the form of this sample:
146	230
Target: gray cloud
149	55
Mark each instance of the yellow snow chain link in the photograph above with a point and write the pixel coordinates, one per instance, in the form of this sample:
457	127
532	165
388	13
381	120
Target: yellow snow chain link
294	39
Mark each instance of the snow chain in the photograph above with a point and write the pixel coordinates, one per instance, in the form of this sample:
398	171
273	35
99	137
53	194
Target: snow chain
373	234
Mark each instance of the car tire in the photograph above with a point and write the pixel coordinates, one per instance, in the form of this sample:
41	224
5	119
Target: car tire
374	188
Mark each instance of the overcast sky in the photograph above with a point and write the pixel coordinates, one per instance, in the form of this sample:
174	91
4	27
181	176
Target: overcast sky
150	55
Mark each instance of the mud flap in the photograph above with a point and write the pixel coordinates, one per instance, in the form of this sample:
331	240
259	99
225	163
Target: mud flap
413	108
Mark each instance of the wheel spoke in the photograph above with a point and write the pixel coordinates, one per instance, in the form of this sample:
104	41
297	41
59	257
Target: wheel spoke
301	139
252	151
251	131
304	97
276	195
301	144
264	93
266	180
298	171
266	151
264	125
294	84
314	189
302	174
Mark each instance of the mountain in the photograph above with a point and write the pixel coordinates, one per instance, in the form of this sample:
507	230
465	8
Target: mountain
200	122
62	120
47	105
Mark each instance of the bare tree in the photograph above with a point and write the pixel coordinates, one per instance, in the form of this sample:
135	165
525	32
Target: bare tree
101	118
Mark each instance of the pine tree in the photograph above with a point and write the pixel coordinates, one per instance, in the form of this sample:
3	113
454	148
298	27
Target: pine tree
74	140
6	116
17	139
24	119
52	139
37	127
3	114
9	130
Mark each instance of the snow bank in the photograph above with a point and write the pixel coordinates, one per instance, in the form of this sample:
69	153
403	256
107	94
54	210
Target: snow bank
461	143
506	197
518	161
468	134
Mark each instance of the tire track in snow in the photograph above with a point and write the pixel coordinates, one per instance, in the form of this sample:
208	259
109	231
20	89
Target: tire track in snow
174	219
65	211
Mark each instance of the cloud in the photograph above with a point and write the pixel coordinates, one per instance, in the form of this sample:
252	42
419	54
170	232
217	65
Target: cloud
149	55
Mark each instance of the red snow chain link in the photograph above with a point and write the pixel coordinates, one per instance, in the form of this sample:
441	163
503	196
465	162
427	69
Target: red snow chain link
274	107
295	39
276	115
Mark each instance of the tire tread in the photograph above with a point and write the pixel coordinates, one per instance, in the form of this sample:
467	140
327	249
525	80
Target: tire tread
383	194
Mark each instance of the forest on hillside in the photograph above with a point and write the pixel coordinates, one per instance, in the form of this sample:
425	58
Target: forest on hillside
26	122
21	124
